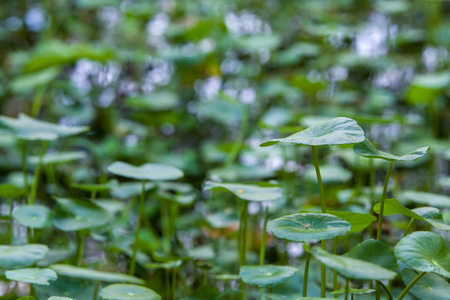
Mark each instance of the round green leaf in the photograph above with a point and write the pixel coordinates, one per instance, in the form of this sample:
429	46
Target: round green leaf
375	252
58	157
27	128
333	132
430	199
128	292
266	276
33	216
13	257
32	275
429	287
254	191
145	171
78	214
367	149
352	268
424	252
433	217
307	227
358	221
84	273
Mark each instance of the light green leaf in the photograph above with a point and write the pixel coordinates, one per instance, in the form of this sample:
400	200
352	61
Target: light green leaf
353	291
433	217
128	190
424	252
367	149
330	174
32	275
78	214
352	268
392	207
429	287
307	227
251	191
58	157
33	216
13	257
430	199
375	252
358	221
28	82
128	292
146	171
10	191
89	274
266	276
96	187
158	101
333	132
27	128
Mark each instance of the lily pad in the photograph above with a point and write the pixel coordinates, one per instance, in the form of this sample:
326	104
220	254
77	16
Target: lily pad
425	252
367	149
375	252
128	292
59	157
431	199
13	257
78	214
266	276
306	227
33	216
32	275
429	287
352	268
255	191
358	221
146	171
333	132
89	274
27	128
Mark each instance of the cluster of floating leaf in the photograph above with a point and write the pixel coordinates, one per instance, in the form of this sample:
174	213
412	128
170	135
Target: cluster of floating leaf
424	253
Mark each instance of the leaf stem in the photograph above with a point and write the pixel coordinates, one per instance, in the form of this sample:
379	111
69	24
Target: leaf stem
37	172
243	240
23	157
335	275
262	251
408	227
81	243
324	210
410	285
138	229
379	283
305	275
347	284
383	198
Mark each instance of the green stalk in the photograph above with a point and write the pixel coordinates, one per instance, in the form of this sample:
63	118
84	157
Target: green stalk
37	102
372	190
383	198
262	251
346	288
23	157
335	275
408	227
305	275
410	285
324	210
138	229
389	295
94	295
243	241
174	288
81	243
37	172
166	225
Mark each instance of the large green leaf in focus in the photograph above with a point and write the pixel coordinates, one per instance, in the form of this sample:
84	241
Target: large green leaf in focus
267	275
425	252
307	227
33	216
375	252
13	257
333	132
358	221
89	274
128	292
367	149
352	268
146	171
27	128
32	275
252	191
78	214
429	287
